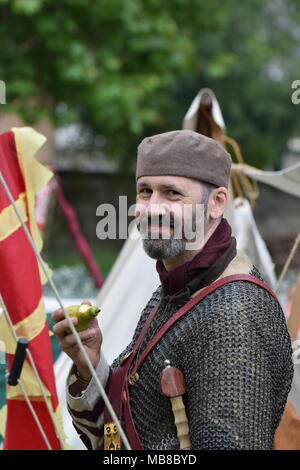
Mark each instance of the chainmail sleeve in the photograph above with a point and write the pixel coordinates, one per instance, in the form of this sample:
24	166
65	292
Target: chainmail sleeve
238	368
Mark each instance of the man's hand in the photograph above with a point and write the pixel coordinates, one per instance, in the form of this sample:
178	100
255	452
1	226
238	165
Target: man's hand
91	339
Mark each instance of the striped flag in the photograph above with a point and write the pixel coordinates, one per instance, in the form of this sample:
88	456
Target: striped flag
21	290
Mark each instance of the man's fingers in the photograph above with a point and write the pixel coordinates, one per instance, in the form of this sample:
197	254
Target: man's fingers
62	328
57	315
69	341
86	302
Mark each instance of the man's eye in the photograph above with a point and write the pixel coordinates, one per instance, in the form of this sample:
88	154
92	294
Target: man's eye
145	191
173	193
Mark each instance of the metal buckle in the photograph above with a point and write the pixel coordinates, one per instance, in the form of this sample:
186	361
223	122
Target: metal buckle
112	440
133	378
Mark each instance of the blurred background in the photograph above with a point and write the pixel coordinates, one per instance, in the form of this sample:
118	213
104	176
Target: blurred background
96	77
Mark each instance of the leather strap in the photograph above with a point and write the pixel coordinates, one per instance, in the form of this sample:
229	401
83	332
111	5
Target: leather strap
118	386
143	332
195	300
118	393
129	423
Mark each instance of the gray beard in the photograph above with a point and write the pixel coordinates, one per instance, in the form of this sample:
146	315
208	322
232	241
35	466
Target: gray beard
164	249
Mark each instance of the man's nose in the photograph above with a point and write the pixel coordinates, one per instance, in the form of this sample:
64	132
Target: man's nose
156	205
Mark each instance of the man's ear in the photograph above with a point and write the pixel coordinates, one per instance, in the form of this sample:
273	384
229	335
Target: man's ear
217	202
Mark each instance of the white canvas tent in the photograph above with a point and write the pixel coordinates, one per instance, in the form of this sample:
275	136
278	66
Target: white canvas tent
207	98
286	180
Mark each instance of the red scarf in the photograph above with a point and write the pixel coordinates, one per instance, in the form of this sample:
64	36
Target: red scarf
219	245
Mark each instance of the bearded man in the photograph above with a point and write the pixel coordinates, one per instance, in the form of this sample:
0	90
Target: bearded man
212	317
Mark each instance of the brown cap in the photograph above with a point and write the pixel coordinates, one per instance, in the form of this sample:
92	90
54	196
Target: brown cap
184	153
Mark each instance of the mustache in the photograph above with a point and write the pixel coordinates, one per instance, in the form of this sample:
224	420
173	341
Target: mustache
159	221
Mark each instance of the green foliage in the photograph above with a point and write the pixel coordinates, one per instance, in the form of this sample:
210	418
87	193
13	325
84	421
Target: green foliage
251	64
128	68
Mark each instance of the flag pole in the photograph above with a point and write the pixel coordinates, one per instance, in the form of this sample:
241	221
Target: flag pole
70	323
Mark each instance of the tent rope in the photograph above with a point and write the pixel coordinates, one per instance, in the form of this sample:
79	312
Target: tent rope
245	188
35	416
32	363
288	262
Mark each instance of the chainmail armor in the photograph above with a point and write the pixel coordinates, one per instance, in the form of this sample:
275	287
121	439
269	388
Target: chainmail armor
235	353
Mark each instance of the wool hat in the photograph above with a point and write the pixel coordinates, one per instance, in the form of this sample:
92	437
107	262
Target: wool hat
184	153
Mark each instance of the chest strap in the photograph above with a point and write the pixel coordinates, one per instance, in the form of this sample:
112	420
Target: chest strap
118	391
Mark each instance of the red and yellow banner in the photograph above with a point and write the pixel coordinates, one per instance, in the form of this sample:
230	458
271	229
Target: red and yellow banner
21	290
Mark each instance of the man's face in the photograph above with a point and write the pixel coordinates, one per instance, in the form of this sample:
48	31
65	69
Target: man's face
169	214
